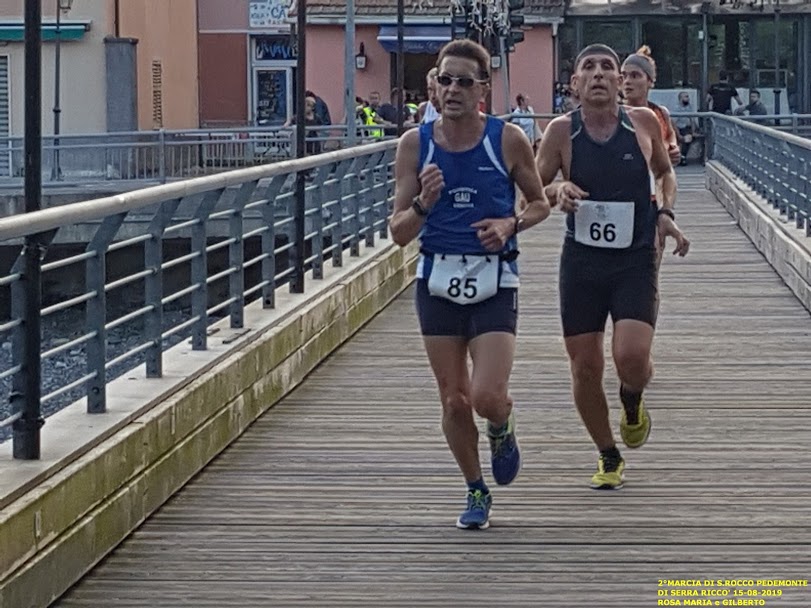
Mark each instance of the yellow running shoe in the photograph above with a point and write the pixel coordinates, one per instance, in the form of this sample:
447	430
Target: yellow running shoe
635	435
609	475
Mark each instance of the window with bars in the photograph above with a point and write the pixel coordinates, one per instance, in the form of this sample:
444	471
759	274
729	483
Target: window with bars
157	94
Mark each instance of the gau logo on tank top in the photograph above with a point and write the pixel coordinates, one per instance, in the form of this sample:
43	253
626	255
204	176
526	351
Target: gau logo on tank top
462	197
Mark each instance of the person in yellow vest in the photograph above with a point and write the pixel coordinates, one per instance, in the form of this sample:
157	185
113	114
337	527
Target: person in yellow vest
371	117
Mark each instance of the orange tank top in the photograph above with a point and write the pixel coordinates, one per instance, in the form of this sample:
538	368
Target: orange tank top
664	123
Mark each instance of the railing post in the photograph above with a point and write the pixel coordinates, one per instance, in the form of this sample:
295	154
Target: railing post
315	200
162	154
96	313
236	253
269	241
337	212
199	269
153	287
370	198
388	189
351	193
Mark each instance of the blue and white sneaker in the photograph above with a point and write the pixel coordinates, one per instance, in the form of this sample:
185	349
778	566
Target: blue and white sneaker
505	453
477	514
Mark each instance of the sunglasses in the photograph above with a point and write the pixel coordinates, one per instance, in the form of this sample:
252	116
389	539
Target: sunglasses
463	81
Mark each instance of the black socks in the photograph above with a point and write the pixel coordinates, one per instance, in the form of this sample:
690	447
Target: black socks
630	401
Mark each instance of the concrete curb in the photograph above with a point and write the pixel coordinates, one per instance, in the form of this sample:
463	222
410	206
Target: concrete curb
785	247
54	534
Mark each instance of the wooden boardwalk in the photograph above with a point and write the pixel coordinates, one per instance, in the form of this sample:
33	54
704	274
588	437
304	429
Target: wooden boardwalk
345	494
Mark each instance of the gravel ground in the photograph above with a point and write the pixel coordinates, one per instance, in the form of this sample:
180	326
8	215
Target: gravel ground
68	366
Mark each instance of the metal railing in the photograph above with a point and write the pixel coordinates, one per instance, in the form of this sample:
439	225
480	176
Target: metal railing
175	276
164	155
776	165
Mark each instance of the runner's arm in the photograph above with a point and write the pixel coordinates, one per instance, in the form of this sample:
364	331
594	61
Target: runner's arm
660	164
521	166
405	223
550	157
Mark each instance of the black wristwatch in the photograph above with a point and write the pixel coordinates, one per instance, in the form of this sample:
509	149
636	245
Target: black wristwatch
418	208
668	212
519	221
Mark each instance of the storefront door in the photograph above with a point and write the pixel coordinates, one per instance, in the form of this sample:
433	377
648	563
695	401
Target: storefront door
272	96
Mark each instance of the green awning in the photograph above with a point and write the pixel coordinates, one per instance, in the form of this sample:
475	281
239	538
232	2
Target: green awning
15	32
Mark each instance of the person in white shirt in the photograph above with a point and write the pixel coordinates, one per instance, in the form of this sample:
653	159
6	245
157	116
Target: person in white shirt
523	118
429	110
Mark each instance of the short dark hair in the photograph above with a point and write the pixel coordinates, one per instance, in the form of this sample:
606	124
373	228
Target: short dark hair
597	49
755	91
467	49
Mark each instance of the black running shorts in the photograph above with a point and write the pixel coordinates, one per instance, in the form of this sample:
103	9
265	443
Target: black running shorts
441	317
597	282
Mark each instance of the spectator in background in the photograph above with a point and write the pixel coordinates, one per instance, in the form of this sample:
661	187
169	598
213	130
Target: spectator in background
685	126
321	109
313	145
429	110
388	112
721	94
755	107
522	116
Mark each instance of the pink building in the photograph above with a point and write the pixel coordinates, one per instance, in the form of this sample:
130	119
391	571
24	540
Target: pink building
427	28
248	55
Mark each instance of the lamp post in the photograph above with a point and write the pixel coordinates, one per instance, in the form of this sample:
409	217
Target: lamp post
61	5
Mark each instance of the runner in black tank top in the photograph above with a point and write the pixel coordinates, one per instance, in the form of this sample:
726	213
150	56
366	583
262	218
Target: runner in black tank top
608	155
615	170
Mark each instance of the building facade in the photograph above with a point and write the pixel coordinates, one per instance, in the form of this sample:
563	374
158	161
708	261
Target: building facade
248	52
756	43
125	65
427	27
247	63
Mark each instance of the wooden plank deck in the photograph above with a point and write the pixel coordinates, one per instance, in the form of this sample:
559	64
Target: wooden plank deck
346	495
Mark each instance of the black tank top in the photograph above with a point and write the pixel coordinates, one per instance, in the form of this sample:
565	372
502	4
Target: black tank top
615	170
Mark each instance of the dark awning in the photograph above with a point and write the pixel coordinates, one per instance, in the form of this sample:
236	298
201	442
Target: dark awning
416	38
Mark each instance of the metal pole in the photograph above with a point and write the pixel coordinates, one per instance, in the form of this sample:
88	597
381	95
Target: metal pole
776	89
56	172
26	390
502	53
297	281
349	75
400	65
705	60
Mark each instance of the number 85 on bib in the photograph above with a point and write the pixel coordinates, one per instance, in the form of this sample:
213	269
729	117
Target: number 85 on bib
608	225
464	279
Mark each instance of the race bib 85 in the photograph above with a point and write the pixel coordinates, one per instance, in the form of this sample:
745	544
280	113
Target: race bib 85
464	279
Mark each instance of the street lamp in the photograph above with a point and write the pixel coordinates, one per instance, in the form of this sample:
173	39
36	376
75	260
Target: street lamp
61	5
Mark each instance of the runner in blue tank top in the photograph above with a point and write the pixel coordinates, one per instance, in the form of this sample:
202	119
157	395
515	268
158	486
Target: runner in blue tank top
609	156
455	190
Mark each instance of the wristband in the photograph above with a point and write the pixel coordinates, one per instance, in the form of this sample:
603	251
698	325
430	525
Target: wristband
668	212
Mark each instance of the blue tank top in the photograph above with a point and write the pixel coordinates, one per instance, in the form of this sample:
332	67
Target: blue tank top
477	186
615	170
